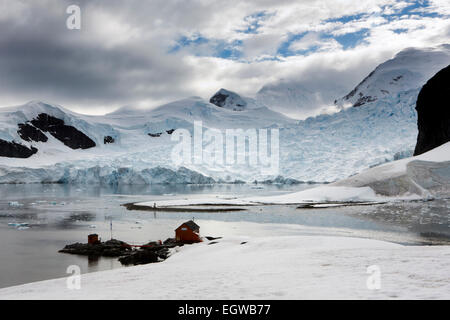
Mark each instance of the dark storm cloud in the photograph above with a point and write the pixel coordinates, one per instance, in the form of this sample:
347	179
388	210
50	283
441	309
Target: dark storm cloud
40	58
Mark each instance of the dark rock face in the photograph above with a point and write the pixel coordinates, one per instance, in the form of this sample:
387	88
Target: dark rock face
68	135
218	99
155	135
108	139
146	255
15	150
29	133
363	100
433	111
228	99
170	131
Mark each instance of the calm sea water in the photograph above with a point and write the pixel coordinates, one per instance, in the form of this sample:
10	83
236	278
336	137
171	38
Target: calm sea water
60	214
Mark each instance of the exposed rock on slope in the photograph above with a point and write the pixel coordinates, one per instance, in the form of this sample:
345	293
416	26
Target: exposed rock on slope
15	150
108	139
70	136
433	111
29	133
228	99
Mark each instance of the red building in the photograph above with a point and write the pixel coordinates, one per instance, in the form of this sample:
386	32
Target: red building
93	239
188	232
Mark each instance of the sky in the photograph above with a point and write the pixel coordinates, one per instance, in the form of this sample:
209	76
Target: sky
146	53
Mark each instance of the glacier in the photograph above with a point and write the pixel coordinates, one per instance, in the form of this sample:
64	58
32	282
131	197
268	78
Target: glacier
323	148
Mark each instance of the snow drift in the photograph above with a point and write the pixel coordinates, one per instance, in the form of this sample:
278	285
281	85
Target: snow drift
306	267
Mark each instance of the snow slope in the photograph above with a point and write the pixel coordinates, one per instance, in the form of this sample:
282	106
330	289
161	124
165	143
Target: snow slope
426	174
306	267
421	176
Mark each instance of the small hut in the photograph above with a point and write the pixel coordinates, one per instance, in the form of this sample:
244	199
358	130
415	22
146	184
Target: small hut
188	232
93	239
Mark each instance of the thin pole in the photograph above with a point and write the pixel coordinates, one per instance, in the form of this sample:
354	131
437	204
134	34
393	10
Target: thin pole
110	226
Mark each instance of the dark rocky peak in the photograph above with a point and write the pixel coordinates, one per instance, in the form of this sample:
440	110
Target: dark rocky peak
433	112
228	99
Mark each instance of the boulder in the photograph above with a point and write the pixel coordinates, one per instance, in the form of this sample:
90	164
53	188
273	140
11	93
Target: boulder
108	139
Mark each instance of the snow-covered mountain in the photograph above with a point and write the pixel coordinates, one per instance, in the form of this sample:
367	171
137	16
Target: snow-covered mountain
300	100
41	142
408	70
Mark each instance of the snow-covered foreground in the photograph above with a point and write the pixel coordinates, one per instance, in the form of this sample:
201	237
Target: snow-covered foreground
279	267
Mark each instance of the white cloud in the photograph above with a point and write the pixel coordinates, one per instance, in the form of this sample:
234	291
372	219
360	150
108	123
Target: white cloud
312	40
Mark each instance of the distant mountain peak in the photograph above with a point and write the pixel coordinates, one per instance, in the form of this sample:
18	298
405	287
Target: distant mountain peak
407	70
228	99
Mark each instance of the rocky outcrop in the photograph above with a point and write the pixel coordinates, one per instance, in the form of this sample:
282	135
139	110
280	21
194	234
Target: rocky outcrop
227	99
29	133
110	248
433	111
70	136
15	150
108	139
149	253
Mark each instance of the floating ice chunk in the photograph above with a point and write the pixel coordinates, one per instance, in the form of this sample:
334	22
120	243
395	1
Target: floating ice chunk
23	228
18	224
15	204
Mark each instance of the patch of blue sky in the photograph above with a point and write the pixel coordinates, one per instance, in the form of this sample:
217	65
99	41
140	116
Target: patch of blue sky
350	40
184	42
400	30
201	46
227	50
414	8
285	50
254	22
348	18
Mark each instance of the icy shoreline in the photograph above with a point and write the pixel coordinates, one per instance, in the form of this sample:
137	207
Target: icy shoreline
420	177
